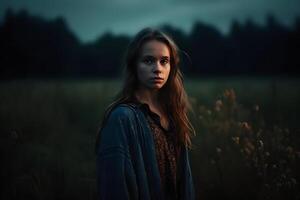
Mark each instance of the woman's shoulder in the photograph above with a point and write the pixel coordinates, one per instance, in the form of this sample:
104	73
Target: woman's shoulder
123	110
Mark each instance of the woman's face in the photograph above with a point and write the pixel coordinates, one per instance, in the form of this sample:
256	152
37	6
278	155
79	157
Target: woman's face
153	65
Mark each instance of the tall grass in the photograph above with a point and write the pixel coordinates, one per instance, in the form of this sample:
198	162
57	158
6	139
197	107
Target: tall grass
48	132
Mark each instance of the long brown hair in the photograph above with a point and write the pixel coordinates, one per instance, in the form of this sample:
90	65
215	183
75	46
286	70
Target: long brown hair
172	95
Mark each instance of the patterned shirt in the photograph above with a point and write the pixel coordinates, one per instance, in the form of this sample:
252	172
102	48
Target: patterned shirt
166	151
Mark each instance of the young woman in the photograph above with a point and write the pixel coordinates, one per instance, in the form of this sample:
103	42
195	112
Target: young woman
142	146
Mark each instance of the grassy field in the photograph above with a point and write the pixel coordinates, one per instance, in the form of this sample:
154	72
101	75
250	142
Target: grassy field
48	130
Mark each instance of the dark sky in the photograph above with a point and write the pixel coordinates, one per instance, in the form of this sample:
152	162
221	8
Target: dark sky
91	18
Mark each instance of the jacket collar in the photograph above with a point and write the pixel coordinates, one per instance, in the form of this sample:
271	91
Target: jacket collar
145	108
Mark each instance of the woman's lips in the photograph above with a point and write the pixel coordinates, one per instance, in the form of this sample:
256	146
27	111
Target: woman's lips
157	79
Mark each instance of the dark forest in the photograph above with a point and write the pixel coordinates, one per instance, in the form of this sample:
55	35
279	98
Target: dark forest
33	47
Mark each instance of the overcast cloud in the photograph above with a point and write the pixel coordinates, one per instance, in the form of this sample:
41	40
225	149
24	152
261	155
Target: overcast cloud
91	18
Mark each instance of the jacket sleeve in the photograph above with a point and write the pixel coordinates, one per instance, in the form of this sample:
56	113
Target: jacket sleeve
115	173
187	190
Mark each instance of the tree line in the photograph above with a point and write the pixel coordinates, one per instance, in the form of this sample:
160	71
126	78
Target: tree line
33	47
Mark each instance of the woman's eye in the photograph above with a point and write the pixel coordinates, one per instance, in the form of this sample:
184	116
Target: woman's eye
148	61
164	62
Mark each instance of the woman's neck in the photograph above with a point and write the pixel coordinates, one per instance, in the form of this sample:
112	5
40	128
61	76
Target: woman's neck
147	96
151	98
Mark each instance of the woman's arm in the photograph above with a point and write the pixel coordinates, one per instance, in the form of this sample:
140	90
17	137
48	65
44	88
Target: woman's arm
115	173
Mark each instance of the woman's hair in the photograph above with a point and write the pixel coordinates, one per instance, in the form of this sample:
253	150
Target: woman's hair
172	95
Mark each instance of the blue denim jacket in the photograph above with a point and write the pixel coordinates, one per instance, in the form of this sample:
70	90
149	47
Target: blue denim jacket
126	163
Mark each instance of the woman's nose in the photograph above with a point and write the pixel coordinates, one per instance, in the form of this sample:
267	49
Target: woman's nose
157	67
